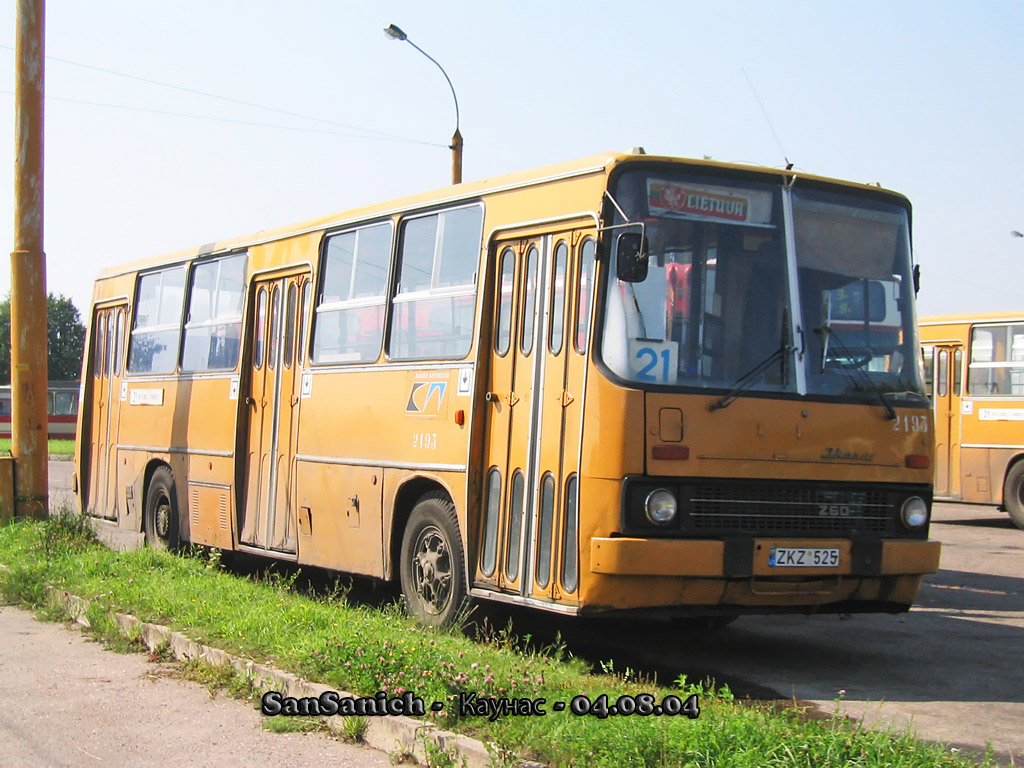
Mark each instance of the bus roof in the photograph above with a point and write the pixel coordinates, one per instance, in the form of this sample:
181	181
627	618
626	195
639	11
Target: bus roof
594	164
974	317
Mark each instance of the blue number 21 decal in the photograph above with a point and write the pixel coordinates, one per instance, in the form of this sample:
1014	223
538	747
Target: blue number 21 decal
651	356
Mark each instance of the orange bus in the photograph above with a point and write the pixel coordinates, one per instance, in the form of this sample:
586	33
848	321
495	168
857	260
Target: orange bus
974	370
622	384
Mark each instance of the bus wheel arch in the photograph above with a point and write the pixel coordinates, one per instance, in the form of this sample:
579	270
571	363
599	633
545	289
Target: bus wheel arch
408	495
431	561
161	514
1013	492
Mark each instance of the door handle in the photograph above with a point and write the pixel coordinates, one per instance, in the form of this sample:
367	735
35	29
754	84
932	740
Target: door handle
496	397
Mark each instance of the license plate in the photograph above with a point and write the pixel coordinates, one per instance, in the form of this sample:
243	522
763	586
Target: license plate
802	557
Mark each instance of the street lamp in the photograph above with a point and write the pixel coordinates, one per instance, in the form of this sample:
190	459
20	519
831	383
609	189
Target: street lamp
1015	233
456	146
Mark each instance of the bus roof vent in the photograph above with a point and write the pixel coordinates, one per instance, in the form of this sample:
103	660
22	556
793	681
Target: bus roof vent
638	151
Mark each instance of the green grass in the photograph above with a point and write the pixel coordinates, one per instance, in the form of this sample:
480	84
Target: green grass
54	447
363	650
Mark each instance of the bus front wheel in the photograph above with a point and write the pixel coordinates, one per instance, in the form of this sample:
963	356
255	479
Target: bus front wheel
432	564
1013	493
161	515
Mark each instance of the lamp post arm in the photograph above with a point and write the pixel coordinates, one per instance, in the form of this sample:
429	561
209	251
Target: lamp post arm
447	79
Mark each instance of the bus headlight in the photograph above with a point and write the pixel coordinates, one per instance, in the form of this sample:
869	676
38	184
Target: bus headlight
914	513
660	507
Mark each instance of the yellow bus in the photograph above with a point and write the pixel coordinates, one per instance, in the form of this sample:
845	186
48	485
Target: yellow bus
979	428
623	384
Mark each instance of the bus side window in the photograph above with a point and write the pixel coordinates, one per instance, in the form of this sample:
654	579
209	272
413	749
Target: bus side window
436	296
290	324
558	298
304	321
348	323
958	364
928	360
97	350
981	375
119	342
261	328
156	329
529	302
588	252
503	327
213	328
942	374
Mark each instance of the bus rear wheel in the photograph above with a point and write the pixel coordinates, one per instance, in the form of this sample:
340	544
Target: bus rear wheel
1013	493
432	564
161	514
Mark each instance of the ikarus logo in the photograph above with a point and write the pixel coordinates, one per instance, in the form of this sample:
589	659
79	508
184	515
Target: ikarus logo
426	398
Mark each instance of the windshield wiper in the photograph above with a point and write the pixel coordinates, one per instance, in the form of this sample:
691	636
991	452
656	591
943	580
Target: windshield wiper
826	332
747	380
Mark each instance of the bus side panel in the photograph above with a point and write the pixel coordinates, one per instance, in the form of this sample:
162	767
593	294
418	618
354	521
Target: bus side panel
339	517
352	424
191	425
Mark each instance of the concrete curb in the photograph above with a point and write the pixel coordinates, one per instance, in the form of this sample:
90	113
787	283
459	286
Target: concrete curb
388	733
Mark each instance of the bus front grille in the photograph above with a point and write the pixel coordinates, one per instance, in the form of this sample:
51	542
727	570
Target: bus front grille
787	510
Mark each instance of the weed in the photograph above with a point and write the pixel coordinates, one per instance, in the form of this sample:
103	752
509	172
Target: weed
162	652
436	752
353	729
401	755
66	532
296	724
25	583
215	677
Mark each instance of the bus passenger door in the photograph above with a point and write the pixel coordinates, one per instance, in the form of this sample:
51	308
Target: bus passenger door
559	411
508	495
108	345
947	390
535	399
268	520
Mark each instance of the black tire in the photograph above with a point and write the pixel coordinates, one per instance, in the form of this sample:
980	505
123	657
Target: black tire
1013	493
160	518
432	563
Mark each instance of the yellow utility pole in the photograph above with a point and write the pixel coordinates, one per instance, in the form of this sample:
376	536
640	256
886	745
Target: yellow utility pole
28	271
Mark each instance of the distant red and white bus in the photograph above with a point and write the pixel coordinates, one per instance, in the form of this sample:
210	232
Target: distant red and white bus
61	409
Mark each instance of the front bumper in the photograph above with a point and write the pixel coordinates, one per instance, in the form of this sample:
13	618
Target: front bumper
748	557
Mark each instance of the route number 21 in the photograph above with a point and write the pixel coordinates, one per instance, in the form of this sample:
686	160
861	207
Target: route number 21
653	361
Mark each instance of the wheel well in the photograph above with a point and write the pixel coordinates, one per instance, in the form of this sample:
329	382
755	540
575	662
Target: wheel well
408	494
1009	468
151	467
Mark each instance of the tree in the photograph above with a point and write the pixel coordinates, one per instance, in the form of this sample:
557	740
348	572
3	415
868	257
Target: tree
65	339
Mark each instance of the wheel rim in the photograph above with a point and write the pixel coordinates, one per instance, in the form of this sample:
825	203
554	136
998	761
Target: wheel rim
432	569
162	518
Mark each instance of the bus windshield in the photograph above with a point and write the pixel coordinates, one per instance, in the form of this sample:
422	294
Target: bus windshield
856	291
716	307
715	304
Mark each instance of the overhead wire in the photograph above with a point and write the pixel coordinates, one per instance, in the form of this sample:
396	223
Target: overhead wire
234	121
370	133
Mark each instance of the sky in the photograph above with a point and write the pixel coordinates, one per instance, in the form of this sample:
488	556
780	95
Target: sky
280	112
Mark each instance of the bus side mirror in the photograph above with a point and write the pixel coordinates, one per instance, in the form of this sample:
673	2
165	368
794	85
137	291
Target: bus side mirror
631	258
917	279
